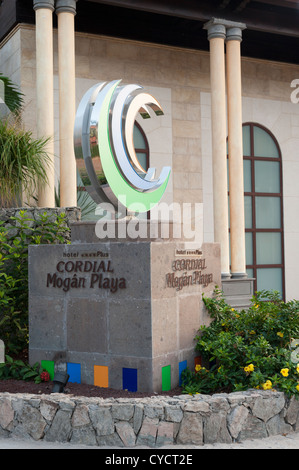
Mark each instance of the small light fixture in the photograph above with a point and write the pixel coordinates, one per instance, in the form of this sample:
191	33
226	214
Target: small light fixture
59	382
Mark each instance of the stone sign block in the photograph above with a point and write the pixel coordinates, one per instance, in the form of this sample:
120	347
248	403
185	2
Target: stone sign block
128	310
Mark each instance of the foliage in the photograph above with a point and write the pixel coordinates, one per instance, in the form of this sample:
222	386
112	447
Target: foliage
247	349
24	162
18	370
13	98
84	201
14	241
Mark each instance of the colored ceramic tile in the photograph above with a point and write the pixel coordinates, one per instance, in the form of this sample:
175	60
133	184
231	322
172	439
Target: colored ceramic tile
182	366
130	379
74	371
101	376
166	378
49	367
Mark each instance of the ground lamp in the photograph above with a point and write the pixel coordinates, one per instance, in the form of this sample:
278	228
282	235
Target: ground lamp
59	382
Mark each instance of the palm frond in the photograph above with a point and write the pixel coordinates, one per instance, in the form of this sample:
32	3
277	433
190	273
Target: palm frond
13	98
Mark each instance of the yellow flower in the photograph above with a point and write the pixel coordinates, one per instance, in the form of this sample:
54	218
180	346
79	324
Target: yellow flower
249	368
297	387
280	334
232	309
256	305
297	368
252	332
284	372
267	385
197	367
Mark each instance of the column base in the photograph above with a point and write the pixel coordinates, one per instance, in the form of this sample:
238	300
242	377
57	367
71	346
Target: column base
225	276
239	275
238	292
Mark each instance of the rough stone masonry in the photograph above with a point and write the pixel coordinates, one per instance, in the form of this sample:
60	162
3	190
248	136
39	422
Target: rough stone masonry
155	421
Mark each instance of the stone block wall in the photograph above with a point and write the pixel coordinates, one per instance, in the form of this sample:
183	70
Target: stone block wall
154	421
73	214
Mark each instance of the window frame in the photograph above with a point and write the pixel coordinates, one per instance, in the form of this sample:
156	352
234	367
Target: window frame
253	194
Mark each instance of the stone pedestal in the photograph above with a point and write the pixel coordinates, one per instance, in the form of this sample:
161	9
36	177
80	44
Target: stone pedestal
238	292
119	314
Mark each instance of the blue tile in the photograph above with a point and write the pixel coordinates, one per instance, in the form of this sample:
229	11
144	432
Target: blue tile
182	366
74	371
130	379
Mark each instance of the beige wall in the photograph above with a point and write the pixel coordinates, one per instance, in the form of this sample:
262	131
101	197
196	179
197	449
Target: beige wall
180	80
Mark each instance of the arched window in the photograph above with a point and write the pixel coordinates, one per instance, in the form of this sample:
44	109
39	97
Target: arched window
263	208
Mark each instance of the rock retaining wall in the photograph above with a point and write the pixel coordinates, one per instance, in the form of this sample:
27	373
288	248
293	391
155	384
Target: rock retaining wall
156	421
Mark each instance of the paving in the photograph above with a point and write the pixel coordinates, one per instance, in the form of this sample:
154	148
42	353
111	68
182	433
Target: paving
287	441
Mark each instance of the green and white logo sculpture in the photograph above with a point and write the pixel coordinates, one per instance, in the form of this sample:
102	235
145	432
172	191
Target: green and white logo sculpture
103	139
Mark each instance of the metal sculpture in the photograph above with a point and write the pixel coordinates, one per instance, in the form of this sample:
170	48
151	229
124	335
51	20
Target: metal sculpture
103	139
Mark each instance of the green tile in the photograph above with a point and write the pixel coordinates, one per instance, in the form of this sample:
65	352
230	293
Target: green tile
166	378
49	367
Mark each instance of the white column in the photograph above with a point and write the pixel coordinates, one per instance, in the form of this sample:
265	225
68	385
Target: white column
66	10
44	91
235	151
216	36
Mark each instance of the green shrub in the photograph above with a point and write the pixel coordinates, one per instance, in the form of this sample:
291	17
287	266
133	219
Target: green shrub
18	370
14	241
246	349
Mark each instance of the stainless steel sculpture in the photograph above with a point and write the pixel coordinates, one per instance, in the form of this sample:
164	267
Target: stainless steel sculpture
104	148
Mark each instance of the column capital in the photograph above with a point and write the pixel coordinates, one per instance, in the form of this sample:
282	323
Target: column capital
43	4
226	29
234	33
215	28
68	6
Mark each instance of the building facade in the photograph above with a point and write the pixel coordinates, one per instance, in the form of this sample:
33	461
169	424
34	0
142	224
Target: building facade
226	74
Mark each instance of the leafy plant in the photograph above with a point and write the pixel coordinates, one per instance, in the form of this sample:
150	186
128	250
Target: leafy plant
13	98
14	240
84	201
24	162
247	349
18	370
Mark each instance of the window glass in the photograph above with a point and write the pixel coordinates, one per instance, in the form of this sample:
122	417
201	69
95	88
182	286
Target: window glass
250	272
268	248
264	145
269	279
246	141
249	248
267	176
248	211
142	159
139	142
247	176
267	210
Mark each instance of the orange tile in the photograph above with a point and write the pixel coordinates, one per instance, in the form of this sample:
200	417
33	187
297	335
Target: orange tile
101	376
